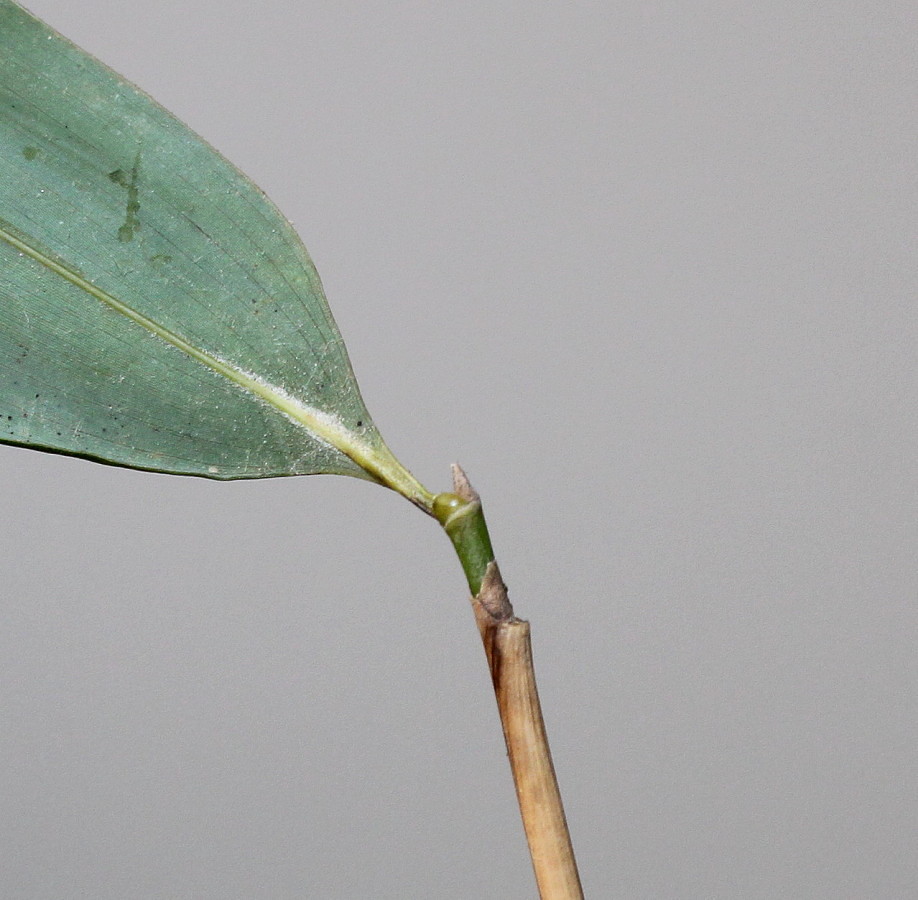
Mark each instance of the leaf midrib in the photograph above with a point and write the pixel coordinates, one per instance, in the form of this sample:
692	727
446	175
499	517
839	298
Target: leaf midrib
378	462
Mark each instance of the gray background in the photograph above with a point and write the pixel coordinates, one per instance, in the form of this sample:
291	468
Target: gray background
648	271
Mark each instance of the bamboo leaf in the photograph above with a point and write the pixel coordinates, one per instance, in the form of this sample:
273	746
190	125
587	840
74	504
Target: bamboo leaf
156	309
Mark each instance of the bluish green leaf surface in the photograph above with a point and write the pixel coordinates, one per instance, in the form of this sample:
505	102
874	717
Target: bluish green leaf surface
156	309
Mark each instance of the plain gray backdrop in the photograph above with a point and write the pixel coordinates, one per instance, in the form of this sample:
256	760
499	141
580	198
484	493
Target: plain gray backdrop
648	270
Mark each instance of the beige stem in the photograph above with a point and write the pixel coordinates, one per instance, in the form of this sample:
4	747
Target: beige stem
509	651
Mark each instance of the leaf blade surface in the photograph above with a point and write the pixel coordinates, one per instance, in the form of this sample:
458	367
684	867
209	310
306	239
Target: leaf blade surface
156	309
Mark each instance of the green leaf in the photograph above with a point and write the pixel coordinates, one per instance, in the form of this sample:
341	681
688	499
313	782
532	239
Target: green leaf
156	309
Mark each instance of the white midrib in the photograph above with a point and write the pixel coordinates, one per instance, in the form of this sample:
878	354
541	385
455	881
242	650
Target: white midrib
378	462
